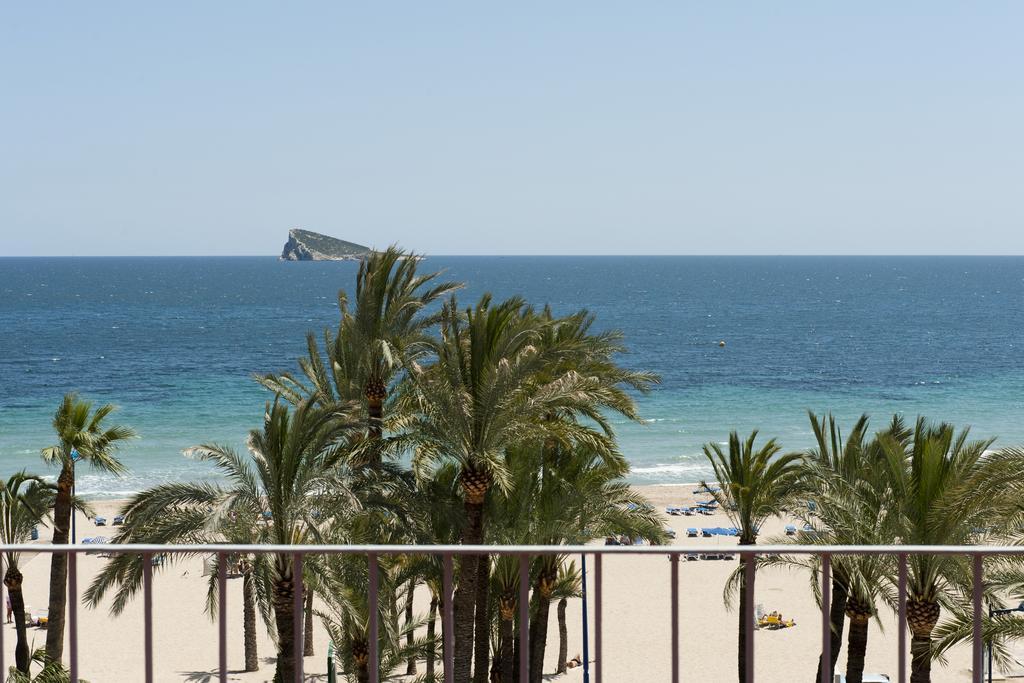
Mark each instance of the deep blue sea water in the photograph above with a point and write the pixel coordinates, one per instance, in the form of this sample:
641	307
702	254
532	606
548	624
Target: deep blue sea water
174	342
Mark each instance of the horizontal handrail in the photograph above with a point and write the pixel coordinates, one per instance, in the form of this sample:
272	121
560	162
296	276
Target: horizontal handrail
970	550
523	552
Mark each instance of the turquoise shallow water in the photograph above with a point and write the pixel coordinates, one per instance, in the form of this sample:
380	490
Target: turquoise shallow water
175	340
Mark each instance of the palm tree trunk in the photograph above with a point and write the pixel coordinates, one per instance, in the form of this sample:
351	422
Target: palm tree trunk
284	618
505	642
252	661
13	580
59	564
307	627
410	667
837	615
538	633
465	594
563	637
744	625
856	648
431	621
482	635
921	657
375	413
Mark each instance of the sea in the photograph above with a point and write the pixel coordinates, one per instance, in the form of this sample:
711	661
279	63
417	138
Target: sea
740	343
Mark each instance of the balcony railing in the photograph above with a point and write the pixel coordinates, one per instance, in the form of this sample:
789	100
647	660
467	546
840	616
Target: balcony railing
524	554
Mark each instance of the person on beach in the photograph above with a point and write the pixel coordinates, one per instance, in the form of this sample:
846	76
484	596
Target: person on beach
10	609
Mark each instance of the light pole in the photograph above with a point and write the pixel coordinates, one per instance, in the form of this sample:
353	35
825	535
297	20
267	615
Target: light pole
998	613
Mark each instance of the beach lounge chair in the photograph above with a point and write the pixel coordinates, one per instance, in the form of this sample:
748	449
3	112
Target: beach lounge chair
674	510
728	556
691	557
118	520
34	535
707	532
689	512
670	532
692	532
100	521
790	530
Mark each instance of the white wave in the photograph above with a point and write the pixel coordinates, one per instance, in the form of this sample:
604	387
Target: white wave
675	469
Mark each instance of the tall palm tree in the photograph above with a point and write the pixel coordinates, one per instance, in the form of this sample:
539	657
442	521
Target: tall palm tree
582	355
754	485
24	502
81	436
485	394
376	339
944	499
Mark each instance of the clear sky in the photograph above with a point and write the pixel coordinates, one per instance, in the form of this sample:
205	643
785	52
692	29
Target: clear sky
513	128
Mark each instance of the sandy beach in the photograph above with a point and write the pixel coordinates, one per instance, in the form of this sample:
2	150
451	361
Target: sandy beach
636	619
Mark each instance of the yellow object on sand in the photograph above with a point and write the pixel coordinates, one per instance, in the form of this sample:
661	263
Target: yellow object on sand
774	621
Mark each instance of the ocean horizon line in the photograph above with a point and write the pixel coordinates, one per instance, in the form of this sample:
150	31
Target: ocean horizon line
440	255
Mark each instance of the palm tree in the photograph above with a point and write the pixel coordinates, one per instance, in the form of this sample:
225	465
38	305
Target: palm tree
184	513
832	459
375	341
24	502
945	498
49	672
755	485
485	394
291	481
569	584
582	497
81	436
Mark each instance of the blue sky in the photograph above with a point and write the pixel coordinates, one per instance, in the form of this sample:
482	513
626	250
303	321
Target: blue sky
526	128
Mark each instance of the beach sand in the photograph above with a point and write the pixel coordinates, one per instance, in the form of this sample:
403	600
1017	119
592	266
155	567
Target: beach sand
636	619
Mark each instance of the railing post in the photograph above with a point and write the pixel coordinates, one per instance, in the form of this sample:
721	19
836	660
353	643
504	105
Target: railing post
748	645
3	668
674	562
826	618
978	673
297	622
222	617
902	611
147	601
598	661
448	620
524	619
72	619
371	560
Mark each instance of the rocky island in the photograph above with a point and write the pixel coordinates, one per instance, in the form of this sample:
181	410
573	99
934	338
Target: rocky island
305	245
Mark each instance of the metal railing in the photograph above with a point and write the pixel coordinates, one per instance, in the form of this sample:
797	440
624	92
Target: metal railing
524	554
